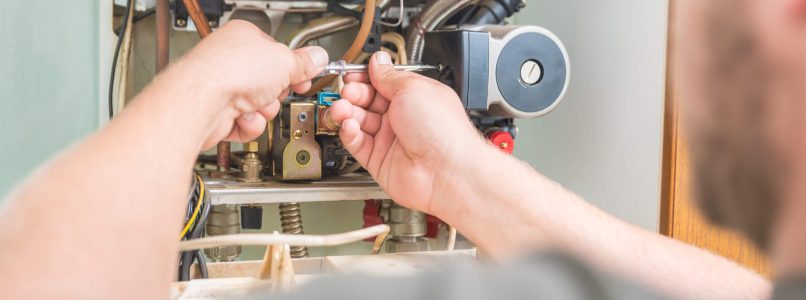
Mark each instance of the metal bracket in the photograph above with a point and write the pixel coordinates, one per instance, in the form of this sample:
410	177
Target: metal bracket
302	157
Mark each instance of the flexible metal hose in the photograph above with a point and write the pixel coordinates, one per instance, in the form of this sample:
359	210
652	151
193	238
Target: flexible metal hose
291	222
432	16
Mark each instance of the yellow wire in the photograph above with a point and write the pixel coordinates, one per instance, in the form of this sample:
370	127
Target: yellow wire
195	210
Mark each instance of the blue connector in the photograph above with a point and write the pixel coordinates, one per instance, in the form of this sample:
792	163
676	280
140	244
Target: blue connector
327	98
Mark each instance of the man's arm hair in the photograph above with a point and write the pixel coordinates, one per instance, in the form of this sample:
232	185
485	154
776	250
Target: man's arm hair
508	209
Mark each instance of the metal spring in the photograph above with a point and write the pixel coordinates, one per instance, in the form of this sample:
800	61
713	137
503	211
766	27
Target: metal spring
291	222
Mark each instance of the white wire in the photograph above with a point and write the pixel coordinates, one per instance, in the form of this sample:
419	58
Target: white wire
451	238
399	18
262	239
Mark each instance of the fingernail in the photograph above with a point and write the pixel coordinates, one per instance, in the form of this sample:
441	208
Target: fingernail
248	116
383	58
318	56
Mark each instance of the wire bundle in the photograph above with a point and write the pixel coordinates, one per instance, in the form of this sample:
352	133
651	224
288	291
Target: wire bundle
195	221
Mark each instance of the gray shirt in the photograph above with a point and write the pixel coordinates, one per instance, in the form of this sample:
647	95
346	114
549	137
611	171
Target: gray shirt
544	276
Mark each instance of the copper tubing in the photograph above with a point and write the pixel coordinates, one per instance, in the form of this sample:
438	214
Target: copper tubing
199	19
355	49
163	27
223	156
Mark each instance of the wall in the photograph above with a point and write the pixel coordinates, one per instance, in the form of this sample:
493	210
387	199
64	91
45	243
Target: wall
604	140
48	81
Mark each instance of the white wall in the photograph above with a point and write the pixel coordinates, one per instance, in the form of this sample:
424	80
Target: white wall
604	140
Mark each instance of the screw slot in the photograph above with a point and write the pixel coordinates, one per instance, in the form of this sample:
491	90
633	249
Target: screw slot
531	72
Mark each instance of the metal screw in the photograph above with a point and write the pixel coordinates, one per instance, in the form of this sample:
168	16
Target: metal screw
181	23
303	116
303	157
531	72
297	134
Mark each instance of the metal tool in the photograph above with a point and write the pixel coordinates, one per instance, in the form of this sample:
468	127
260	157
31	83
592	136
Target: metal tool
341	67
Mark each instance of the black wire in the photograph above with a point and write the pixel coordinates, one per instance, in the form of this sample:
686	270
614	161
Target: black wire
198	228
117	52
136	19
184	268
192	196
186	259
202	264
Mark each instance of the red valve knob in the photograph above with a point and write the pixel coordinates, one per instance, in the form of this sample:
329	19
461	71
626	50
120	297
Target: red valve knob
503	140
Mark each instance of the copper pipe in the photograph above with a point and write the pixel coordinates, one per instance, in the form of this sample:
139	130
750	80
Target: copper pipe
223	156
199	18
355	49
163	27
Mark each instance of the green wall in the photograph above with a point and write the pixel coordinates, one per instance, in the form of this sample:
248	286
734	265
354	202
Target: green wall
48	81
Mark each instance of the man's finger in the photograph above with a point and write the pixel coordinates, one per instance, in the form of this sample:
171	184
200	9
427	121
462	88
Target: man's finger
270	111
389	82
356	77
359	94
307	63
247	127
300	88
357	142
342	110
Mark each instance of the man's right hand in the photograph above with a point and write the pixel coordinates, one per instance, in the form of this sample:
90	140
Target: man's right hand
407	130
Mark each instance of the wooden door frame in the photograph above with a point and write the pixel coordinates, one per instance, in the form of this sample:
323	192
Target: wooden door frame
670	133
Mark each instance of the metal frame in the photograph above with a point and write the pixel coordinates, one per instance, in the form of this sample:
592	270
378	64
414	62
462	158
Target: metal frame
342	188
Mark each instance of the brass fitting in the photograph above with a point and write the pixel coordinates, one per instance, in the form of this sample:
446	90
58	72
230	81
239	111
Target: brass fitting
251	165
252	147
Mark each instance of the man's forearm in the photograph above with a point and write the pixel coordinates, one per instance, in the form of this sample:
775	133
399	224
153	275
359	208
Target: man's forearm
532	212
112	203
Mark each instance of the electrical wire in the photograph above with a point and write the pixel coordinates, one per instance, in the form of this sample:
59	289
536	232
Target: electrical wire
364	30
262	239
129	6
196	210
137	18
451	238
187	258
399	17
399	42
202	264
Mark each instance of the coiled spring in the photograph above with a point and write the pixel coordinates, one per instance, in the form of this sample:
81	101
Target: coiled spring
291	223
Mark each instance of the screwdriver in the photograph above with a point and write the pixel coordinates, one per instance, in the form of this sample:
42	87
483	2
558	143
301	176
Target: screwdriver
341	67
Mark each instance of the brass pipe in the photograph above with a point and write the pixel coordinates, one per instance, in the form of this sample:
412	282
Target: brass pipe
163	28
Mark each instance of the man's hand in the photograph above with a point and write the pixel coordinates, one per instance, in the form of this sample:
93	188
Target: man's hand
407	130
251	72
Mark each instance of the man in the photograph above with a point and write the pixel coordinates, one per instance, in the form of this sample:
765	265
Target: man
99	220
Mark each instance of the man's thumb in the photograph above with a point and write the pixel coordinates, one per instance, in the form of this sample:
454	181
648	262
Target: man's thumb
383	75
